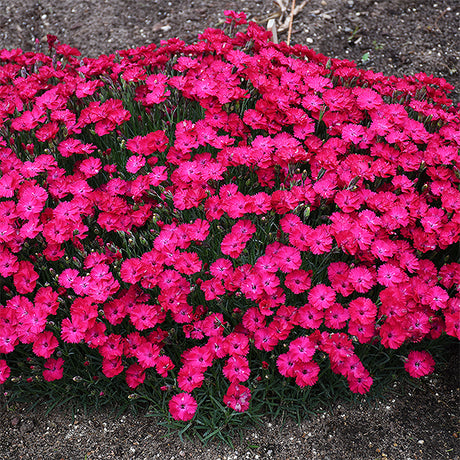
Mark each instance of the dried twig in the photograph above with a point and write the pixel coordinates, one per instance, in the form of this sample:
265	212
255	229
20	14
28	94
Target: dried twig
291	20
285	25
282	5
271	26
284	20
438	18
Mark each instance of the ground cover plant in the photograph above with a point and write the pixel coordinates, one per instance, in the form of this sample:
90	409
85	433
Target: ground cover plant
219	223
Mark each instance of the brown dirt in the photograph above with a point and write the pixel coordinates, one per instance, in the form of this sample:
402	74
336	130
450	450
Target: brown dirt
408	424
400	37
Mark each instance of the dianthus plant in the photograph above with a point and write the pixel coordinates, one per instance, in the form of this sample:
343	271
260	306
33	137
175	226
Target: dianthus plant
232	204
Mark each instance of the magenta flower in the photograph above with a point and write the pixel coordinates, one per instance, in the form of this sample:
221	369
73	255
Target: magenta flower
182	407
419	364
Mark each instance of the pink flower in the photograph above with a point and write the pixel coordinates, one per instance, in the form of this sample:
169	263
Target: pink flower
71	146
390	275
212	288
288	259
163	365
112	367
419	363
221	268
362	310
8	263
361	279
188	263
4	371
45	344
253	319
87	88
283	201
182	407
53	369
237	344
298	281
383	249
237	397
286	364
309	317
264	339
147	354
8	338
134	163
113	347
47	132
213	325
29	207
68	277
95	335
71	333
359	380
237	369
9	183
234	17
306	373
245	229
145	316
367	98
348	201
251	286
135	375
197	358
25	279
236	206
114	311
232	245
302	349
336	316
392	334
321	296
319	239
343	199
437	298
90	167
29	119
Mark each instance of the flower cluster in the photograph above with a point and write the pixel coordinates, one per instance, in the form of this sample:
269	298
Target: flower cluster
223	201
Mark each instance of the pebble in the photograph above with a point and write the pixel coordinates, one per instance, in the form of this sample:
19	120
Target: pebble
26	427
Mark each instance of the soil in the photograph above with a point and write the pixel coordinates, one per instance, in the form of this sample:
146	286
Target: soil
391	36
407	424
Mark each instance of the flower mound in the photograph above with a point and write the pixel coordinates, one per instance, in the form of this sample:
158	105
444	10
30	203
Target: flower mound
231	203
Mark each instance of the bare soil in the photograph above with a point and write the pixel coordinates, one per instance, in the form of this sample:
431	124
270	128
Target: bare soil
407	424
391	36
